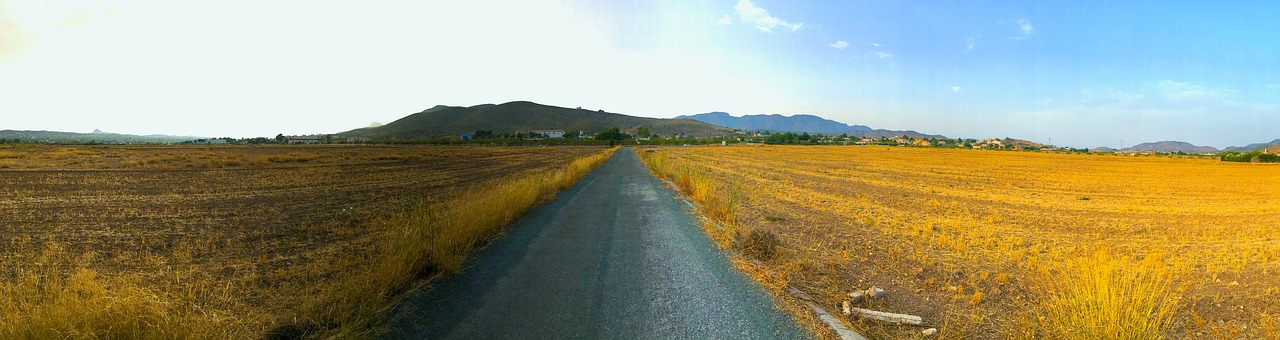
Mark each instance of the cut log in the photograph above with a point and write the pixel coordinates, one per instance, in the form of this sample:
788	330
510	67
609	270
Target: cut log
888	317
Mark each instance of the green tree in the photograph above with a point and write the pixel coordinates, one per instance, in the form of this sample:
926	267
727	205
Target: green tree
611	135
642	131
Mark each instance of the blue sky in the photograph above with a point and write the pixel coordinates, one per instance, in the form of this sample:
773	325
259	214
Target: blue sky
1085	74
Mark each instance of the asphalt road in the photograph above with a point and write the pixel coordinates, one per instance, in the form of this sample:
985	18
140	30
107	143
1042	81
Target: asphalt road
613	257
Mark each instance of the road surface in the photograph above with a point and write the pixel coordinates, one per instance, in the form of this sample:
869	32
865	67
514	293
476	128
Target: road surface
616	256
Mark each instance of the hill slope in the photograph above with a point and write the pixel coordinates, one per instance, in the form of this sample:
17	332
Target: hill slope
799	123
776	122
95	136
1170	146
445	121
1273	145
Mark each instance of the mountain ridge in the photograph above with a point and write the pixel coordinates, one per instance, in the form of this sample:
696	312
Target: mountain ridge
445	121
776	122
44	136
1171	146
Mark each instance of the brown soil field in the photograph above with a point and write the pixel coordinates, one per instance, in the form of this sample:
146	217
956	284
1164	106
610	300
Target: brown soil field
247	232
992	244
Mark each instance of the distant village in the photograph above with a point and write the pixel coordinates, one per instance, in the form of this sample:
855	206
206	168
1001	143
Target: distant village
641	135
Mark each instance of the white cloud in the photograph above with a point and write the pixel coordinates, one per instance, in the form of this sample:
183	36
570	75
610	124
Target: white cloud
955	88
748	12
883	55
1025	30
840	45
969	44
1186	91
875	44
725	20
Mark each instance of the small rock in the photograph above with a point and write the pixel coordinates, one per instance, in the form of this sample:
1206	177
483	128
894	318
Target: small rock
929	332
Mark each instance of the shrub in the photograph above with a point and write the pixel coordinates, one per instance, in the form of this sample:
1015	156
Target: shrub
760	244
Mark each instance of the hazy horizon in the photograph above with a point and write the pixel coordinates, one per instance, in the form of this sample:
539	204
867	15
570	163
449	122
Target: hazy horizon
1086	74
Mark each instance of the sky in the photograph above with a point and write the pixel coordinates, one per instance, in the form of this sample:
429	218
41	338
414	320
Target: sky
1074	73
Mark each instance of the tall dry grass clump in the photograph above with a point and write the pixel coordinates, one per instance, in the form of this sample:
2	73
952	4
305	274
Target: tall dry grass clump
45	302
433	237
1103	297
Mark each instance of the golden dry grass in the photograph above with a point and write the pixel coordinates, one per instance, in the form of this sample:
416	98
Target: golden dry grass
95	248
1011	244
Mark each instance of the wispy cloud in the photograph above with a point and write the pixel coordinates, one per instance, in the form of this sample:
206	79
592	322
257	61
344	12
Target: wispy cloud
969	43
725	20
955	88
840	45
1025	30
749	13
883	55
1163	110
1187	91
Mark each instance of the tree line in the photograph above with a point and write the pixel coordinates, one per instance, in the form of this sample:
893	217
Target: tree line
1251	156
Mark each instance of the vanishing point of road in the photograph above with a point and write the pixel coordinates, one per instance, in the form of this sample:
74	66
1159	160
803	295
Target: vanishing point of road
615	256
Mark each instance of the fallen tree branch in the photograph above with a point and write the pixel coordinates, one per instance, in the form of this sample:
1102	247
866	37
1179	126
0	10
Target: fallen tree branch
887	317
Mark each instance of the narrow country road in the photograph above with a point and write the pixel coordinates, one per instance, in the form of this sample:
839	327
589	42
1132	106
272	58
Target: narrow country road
613	257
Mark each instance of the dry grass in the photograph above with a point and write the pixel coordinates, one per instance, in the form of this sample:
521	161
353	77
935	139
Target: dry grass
433	237
171	252
1000	244
1109	298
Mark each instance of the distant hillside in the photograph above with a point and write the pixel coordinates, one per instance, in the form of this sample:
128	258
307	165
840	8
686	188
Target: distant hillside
776	122
96	136
1273	145
445	121
1171	146
877	133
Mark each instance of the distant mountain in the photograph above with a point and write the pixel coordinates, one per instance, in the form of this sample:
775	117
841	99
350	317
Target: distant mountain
1170	146
1273	145
799	123
877	133
776	122
97	136
445	121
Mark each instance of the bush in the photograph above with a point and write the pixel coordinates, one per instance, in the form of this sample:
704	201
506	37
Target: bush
760	244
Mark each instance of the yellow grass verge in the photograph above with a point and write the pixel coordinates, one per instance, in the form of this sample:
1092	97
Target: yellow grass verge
435	238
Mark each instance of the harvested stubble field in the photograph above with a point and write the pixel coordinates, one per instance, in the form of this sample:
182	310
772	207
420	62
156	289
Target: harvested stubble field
238	241
991	244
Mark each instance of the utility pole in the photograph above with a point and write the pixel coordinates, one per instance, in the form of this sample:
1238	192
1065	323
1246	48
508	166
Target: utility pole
1121	144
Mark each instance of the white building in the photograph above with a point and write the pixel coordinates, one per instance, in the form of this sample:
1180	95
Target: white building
549	133
304	139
